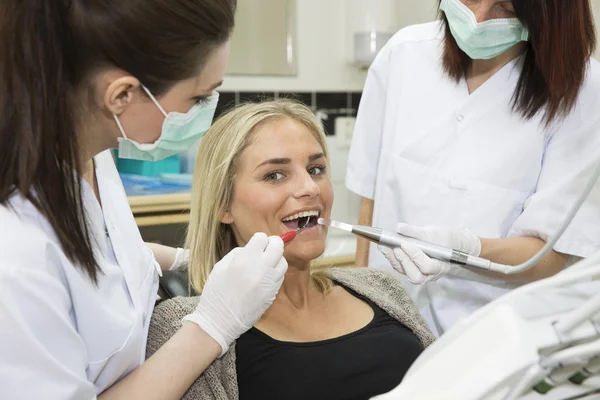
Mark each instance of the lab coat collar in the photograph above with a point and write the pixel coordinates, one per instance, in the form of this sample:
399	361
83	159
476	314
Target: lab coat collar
495	92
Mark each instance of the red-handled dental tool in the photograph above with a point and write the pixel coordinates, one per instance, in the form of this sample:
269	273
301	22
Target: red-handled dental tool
288	236
291	235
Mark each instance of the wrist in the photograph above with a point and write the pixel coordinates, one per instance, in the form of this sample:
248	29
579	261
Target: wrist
478	246
182	257
206	344
487	246
471	243
209	329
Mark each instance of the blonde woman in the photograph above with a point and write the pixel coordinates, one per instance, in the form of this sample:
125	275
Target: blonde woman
342	333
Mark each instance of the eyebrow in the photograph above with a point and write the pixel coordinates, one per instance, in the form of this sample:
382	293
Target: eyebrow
283	161
216	85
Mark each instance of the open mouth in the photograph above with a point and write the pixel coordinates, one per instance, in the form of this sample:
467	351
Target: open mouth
303	219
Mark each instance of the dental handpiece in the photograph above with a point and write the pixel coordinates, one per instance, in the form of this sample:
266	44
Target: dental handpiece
392	239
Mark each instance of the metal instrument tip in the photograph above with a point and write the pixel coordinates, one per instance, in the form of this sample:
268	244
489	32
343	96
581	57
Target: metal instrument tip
324	221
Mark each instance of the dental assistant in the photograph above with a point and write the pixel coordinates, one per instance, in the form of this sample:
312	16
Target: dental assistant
77	283
478	132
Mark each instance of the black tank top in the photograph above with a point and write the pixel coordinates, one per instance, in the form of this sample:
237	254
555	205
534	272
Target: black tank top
359	365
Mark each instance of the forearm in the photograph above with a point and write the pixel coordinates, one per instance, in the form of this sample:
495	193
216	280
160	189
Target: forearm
365	217
164	255
514	251
170	372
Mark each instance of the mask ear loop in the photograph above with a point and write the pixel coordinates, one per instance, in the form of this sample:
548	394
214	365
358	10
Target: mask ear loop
154	100
120	126
151	98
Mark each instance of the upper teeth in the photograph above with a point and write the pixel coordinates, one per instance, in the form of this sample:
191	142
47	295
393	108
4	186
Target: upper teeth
302	214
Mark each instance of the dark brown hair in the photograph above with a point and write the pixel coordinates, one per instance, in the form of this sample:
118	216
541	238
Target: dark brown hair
49	49
562	38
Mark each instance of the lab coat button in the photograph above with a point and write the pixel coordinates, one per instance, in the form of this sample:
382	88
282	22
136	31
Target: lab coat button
460	117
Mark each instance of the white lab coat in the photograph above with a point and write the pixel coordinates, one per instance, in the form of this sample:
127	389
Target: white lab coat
61	336
428	152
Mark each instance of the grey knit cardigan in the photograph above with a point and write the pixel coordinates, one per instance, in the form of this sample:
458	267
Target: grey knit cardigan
219	381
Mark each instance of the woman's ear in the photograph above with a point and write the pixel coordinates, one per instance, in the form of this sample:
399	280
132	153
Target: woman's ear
227	218
120	93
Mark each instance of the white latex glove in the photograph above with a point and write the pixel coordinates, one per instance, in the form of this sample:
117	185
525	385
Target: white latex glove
416	265
182	257
240	288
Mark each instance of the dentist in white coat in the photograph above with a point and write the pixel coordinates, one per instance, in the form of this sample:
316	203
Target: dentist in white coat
77	283
477	132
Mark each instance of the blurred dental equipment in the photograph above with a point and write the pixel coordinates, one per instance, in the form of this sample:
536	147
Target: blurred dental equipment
540	341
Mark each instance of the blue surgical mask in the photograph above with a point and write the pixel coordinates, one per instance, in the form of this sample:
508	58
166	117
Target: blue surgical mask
485	40
179	131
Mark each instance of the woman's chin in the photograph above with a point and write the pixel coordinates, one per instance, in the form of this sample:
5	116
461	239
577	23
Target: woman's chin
299	252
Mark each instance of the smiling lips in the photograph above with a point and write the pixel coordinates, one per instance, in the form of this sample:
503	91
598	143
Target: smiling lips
301	219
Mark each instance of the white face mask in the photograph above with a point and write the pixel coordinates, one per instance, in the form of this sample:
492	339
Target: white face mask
179	132
485	40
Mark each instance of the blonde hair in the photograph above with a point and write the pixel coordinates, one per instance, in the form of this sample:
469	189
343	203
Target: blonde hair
208	239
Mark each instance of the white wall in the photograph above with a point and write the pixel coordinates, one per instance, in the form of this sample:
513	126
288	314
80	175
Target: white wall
412	12
322	60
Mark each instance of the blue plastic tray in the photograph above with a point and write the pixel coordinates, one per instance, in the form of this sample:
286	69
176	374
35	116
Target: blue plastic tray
137	185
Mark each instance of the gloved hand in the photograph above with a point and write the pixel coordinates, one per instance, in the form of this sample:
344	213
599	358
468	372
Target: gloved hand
240	288
182	257
416	265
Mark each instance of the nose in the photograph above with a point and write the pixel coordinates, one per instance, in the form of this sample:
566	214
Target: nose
481	10
307	187
480	17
